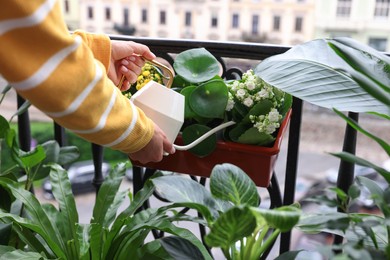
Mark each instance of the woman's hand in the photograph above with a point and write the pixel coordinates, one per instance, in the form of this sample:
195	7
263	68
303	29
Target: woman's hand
126	60
155	149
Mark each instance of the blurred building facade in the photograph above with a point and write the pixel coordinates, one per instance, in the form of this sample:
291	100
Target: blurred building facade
367	21
285	22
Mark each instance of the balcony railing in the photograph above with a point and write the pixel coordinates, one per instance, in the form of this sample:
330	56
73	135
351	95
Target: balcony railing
223	51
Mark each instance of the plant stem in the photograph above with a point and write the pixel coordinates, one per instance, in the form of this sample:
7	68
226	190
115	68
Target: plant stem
258	251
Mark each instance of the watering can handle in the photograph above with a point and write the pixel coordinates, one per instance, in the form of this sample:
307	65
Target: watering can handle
203	137
157	64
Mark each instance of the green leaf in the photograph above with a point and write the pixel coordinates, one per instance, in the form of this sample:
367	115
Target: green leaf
371	185
360	161
354	191
5	233
179	248
21	255
357	127
229	182
254	137
139	199
23	108
34	157
193	132
364	59
106	196
62	191
196	65
209	100
283	218
290	255
39	229
4	126
68	154
153	251
179	189
186	92
258	109
5	249
314	72
231	226
96	241
83	236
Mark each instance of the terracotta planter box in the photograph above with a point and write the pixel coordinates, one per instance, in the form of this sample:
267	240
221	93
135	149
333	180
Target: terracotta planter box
257	161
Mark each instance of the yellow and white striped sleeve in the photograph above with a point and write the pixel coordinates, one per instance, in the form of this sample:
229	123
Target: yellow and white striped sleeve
60	75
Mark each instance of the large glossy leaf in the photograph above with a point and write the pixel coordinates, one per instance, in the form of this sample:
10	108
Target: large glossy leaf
315	73
231	226
106	196
229	182
209	100
179	189
196	65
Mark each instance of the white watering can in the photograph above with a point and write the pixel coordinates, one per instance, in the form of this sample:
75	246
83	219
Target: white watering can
165	107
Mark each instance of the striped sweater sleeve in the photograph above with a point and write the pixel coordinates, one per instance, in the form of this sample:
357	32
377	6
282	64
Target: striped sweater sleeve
65	76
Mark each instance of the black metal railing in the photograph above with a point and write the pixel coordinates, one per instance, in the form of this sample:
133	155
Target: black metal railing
166	49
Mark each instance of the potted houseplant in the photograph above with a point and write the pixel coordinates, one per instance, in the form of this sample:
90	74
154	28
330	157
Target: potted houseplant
259	112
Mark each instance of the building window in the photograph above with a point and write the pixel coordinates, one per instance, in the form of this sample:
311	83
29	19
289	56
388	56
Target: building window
163	17
90	12
188	17
344	8
382	8
126	17
108	13
276	23
214	21
379	44
235	21
255	24
144	15
298	24
66	6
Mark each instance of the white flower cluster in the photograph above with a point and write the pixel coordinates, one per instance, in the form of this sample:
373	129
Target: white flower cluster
251	90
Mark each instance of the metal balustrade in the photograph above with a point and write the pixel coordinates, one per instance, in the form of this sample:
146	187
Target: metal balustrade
166	49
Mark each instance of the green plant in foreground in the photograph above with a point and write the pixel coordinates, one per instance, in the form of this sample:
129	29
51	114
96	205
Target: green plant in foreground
31	230
237	225
367	72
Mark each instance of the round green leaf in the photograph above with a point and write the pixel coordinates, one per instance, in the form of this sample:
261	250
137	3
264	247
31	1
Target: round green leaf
186	92
196	65
193	132
210	99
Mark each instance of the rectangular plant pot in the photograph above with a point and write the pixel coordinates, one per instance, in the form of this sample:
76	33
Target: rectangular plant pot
256	161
